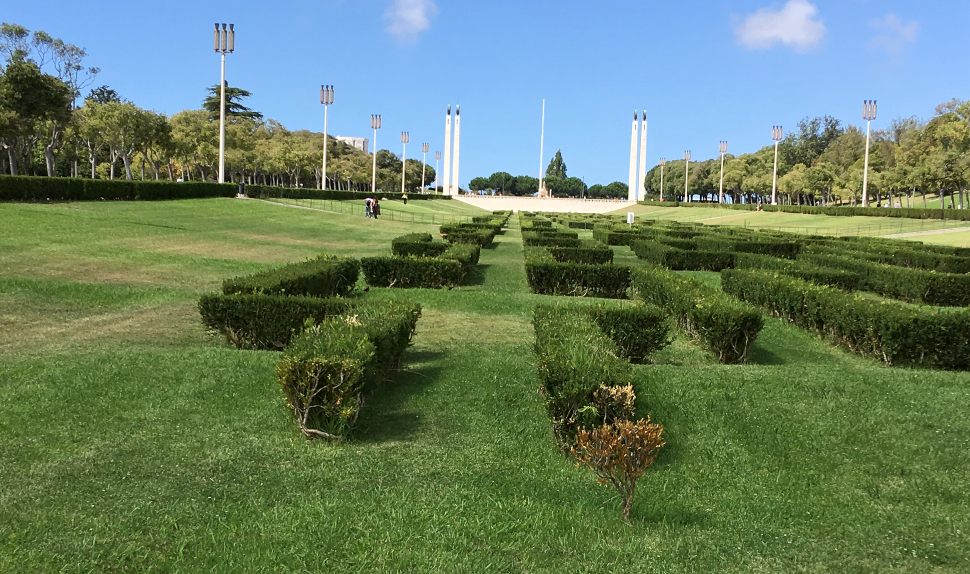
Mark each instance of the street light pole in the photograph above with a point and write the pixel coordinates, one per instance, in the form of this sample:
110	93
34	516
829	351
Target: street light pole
424	164
437	158
223	42
868	114
405	138
375	124
686	175
776	134
663	162
723	149
326	98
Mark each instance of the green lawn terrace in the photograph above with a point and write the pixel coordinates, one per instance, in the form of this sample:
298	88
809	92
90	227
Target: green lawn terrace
134	440
944	232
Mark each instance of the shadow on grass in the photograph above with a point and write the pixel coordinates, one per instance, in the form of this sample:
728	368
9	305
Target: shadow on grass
760	355
476	276
382	419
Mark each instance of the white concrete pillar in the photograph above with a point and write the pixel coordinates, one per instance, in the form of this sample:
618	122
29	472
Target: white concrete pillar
457	156
446	180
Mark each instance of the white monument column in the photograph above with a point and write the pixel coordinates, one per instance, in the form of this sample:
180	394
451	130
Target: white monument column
632	193
642	171
446	189
457	157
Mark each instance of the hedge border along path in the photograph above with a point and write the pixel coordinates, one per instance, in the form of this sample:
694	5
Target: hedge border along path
890	331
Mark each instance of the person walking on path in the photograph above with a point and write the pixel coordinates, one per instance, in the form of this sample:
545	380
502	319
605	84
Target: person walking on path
368	207
376	209
404	197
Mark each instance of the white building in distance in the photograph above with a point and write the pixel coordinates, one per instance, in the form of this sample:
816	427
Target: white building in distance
354	142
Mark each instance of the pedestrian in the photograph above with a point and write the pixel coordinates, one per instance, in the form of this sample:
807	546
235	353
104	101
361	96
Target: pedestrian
405	198
368	207
376	209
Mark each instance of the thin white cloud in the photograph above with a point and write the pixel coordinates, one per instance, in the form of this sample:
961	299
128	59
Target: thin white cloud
407	19
892	34
796	25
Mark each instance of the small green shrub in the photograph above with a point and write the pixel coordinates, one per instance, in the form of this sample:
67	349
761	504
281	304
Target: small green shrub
679	259
547	276
637	331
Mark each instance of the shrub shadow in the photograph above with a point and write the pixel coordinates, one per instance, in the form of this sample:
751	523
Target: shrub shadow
763	356
476	275
382	418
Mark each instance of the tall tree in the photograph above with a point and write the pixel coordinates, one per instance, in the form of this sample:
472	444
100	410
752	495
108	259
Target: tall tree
29	100
234	103
557	167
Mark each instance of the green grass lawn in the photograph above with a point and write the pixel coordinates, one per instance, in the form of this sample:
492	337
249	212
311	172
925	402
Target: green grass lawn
931	230
132	441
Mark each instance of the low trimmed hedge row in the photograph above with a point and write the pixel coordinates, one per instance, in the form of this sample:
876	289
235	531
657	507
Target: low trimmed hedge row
902	255
469	233
592	252
760	245
637	330
323	276
548	276
269	322
413	272
893	332
721	324
679	259
907	284
328	368
800	268
36	188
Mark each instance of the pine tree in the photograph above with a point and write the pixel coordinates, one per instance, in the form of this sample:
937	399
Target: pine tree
557	167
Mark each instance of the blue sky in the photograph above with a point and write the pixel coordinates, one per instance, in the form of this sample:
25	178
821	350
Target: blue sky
703	70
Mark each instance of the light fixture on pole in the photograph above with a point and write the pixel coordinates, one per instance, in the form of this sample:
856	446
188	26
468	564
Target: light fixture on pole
326	98
375	124
223	42
776	134
686	175
405	138
437	158
424	164
868	114
663	162
723	149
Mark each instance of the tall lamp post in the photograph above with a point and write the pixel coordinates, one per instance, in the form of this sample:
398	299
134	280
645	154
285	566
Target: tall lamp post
723	149
326	98
776	134
663	162
405	138
223	42
375	124
424	164
437	158
686	175
868	114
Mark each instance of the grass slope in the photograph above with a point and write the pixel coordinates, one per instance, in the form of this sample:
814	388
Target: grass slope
930	230
130	441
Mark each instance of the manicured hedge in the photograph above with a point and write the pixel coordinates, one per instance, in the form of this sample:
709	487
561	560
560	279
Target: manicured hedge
721	324
636	330
413	272
35	188
417	244
324	276
574	360
327	369
893	332
917	285
902	255
679	259
803	269
613	236
547	276
592	252
266	321
469	233
787	249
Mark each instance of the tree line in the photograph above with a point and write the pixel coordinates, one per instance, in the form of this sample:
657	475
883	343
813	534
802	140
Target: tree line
46	130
